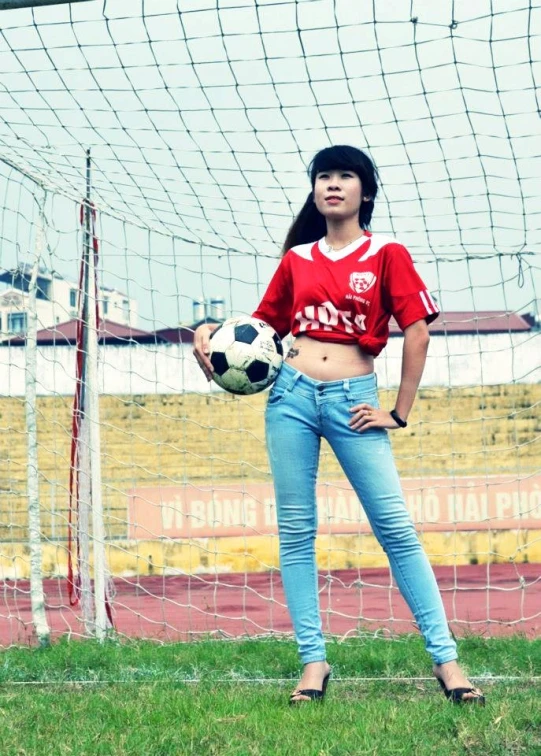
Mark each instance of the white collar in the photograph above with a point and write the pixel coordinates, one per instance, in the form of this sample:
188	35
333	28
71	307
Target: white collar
339	254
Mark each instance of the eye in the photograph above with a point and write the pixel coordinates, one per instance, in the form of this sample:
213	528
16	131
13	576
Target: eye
323	175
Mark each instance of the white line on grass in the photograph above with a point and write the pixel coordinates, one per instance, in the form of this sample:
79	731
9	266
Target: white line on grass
263	680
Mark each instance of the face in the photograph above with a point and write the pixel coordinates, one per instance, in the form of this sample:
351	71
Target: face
338	194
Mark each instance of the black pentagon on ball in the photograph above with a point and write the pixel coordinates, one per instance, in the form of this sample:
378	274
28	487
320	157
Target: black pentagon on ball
279	346
257	371
219	362
246	333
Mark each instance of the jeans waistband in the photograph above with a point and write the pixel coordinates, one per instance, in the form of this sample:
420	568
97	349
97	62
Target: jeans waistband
290	378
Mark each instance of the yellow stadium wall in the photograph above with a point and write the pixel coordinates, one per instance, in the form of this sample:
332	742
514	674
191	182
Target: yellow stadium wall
260	553
168	440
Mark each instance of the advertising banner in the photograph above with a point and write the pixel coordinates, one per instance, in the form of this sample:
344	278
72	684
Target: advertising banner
435	504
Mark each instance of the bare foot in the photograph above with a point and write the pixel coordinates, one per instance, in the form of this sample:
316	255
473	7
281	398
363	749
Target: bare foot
452	677
312	679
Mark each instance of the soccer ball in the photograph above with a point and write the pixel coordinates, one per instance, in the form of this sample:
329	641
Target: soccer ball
246	355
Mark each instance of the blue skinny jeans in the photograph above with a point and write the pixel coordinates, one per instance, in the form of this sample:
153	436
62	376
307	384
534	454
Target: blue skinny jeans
300	412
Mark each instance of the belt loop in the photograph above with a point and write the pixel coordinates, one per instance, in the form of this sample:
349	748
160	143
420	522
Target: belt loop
293	380
347	390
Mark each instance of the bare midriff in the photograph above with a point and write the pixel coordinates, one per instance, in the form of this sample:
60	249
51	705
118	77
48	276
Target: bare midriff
328	361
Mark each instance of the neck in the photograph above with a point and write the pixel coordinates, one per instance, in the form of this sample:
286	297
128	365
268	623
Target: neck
342	233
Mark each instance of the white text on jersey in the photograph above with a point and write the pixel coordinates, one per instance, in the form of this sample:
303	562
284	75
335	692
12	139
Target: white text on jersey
327	317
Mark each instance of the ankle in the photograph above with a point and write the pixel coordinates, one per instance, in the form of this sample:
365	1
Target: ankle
315	670
446	666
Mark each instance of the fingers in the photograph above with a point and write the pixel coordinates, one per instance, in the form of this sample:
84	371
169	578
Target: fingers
204	365
362	408
370	424
201	350
364	416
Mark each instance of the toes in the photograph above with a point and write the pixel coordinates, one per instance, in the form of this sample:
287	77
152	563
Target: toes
472	696
298	697
475	694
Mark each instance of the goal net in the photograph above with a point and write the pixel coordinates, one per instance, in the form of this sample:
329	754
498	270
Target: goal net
149	488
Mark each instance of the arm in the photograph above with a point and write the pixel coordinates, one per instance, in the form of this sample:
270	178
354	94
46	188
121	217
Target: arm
364	416
416	339
413	308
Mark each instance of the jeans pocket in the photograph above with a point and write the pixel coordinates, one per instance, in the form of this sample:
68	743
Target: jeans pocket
275	396
366	397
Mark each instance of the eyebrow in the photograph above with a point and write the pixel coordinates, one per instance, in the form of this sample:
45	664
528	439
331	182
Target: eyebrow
337	170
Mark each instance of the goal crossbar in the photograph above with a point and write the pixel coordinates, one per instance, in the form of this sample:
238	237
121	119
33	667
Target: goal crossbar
15	4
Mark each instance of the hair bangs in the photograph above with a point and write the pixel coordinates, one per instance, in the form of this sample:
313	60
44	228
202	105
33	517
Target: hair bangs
336	158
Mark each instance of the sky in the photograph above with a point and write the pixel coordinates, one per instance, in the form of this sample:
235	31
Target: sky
202	116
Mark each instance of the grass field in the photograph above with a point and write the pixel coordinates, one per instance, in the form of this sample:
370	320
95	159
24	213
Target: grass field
222	697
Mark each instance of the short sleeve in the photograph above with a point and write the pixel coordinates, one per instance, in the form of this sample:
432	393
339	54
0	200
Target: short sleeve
277	303
407	296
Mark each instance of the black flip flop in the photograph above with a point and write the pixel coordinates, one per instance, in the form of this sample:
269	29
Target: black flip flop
456	695
313	695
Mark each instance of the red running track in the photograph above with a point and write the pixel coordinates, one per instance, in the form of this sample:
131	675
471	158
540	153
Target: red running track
182	608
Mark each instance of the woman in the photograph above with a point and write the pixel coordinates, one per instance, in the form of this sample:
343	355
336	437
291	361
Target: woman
335	289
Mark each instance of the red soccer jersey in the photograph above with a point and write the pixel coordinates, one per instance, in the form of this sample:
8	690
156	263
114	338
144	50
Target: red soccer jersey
350	299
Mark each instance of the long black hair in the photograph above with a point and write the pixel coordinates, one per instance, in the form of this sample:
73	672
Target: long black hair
309	224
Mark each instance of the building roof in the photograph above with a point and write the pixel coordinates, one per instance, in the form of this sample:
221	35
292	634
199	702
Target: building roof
183	334
473	322
24	271
178	335
109	333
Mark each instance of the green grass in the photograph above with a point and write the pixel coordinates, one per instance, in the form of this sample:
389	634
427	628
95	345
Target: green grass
225	697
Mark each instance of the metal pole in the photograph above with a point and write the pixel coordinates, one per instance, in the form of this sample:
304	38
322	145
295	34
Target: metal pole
84	471
15	4
98	530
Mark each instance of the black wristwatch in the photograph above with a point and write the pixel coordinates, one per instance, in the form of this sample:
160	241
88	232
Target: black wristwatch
398	420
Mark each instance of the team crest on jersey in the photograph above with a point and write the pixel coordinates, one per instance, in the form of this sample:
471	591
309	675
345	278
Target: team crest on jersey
361	282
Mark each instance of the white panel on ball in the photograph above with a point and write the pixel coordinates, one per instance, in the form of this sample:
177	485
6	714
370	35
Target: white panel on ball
246	355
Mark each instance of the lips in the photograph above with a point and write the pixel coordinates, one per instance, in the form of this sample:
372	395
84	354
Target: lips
333	200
